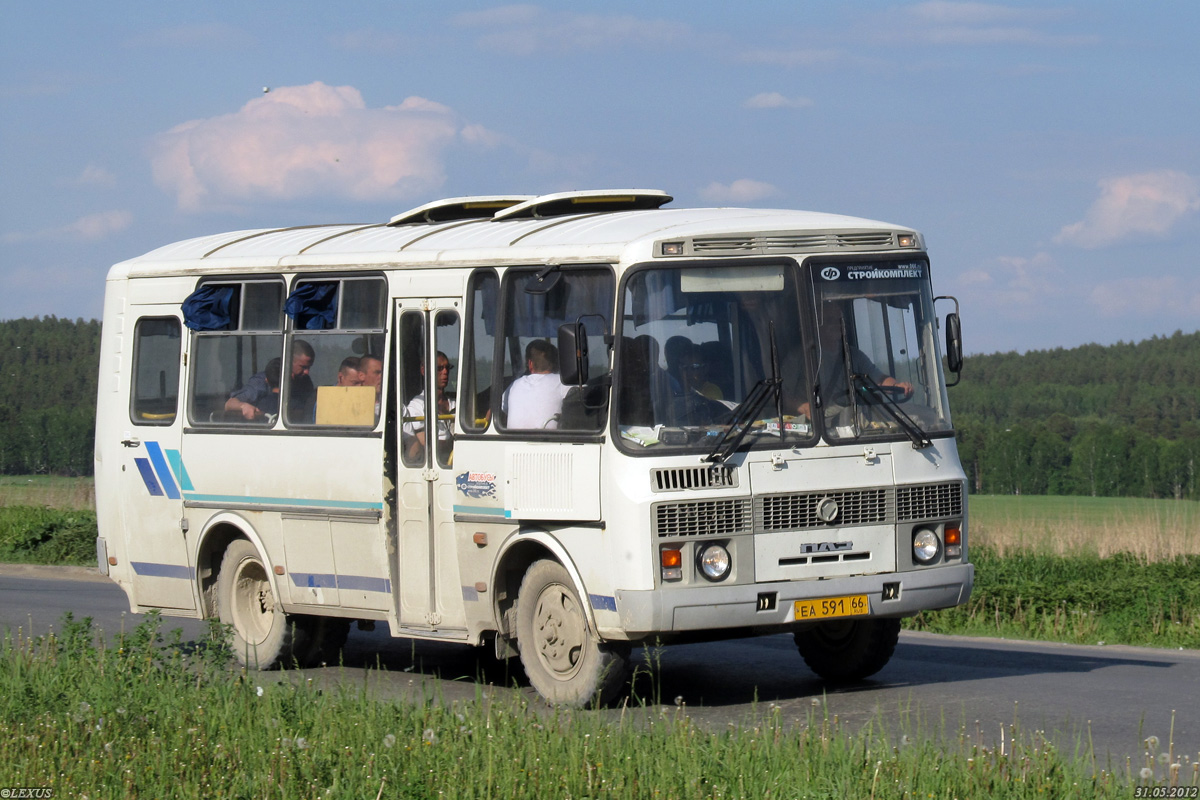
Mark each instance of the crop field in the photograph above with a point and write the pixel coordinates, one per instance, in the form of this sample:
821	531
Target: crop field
1153	530
52	491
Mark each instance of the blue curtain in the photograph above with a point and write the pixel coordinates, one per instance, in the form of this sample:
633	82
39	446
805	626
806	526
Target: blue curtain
208	308
313	306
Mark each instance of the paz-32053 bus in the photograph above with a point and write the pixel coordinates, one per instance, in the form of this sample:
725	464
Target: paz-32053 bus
559	426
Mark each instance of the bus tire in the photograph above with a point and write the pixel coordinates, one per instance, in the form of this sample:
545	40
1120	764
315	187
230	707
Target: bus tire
845	651
564	661
262	635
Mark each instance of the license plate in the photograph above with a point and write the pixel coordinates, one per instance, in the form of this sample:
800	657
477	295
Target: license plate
854	605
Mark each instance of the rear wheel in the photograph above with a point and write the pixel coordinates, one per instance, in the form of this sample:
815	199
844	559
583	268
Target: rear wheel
263	636
844	651
564	661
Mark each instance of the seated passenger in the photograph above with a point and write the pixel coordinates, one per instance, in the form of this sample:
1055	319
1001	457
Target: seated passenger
349	373
534	400
415	421
257	395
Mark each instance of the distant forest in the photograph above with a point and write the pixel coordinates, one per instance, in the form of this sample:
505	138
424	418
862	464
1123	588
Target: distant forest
48	371
1121	420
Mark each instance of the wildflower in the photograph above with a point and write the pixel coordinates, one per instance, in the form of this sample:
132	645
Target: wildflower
301	743
1152	742
259	691
429	737
85	707
905	740
389	740
678	699
1146	773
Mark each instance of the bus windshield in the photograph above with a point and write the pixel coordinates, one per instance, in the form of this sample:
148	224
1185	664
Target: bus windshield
879	371
694	345
703	348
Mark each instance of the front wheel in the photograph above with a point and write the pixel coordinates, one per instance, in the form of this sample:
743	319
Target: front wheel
565	663
844	651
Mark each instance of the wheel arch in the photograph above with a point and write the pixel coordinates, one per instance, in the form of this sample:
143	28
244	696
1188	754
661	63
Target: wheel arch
219	532
519	553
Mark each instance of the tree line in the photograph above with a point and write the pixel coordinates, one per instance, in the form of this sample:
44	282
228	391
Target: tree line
1119	420
1115	421
48	373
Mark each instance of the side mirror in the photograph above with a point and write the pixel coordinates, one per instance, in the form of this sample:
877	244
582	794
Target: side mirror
572	353
954	346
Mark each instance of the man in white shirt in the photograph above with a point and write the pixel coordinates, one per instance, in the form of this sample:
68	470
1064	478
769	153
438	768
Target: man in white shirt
535	399
415	420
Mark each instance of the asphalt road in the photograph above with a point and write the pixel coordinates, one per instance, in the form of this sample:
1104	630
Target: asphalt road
933	685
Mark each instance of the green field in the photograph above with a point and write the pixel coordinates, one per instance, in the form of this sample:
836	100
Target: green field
47	490
1151	529
148	717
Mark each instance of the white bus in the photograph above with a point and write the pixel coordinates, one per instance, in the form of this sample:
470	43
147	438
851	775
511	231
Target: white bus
647	425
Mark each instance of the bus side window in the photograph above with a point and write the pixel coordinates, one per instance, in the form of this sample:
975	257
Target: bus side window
154	394
446	334
477	375
411	384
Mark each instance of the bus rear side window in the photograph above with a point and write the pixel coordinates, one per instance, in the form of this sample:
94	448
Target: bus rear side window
154	395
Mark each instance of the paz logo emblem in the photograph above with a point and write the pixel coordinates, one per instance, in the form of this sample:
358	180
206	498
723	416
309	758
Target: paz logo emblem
827	509
831	273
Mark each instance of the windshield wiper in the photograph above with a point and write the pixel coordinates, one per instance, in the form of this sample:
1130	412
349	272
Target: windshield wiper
873	393
746	412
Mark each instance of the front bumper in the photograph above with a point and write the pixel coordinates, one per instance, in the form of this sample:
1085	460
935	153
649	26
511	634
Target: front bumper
644	614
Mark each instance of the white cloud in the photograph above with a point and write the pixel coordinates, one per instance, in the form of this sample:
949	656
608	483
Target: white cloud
1146	296
948	23
1012	287
90	228
528	29
1147	204
93	175
742	190
776	100
305	141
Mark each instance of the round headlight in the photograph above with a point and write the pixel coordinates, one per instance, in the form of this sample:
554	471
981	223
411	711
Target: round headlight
715	562
925	546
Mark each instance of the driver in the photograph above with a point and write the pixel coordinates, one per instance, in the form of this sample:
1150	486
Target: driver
832	374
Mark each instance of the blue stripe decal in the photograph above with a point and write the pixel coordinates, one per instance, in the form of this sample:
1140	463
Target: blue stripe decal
164	472
602	602
282	501
148	478
181	475
480	510
325	580
364	584
314	580
151	570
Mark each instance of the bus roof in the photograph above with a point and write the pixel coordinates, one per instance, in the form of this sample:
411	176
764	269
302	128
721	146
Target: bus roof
603	226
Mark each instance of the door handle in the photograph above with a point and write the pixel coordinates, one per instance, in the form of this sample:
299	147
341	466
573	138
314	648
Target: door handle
132	441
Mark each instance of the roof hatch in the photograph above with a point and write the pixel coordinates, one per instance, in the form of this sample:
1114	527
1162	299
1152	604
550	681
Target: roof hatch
459	208
587	202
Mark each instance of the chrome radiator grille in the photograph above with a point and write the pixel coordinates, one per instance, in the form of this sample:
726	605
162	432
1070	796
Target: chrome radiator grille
929	501
703	518
788	512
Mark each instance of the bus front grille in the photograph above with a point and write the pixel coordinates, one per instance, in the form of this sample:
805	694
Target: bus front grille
703	518
929	501
789	512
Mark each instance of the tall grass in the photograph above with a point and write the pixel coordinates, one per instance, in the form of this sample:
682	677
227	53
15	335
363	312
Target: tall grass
47	535
1152	530
148	716
48	491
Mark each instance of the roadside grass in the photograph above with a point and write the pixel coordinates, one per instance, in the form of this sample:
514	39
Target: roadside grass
1154	530
49	491
1082	599
147	716
31	535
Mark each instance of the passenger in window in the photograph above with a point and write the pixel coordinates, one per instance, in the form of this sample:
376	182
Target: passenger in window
688	369
535	399
371	369
415	419
350	372
259	397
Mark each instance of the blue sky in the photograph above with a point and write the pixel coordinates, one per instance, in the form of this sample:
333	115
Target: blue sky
1050	152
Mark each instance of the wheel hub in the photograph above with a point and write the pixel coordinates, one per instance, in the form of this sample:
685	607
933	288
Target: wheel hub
560	631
